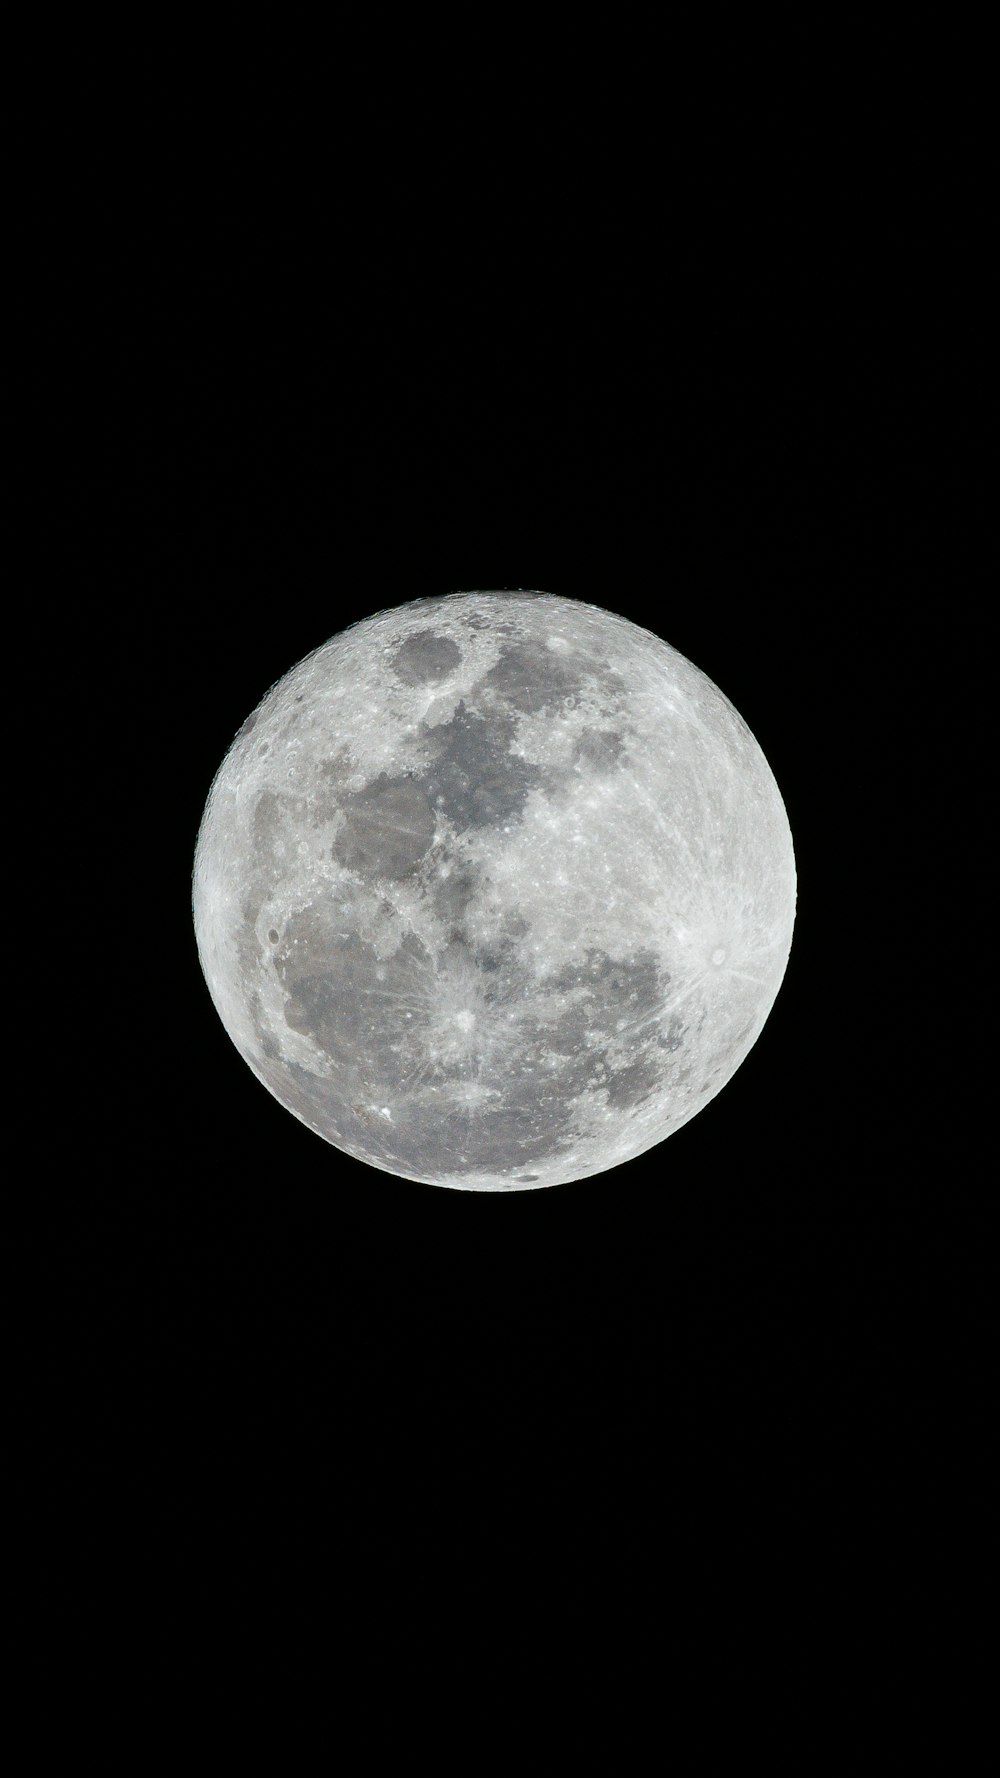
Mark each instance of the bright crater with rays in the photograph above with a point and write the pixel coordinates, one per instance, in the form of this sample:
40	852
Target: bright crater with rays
494	891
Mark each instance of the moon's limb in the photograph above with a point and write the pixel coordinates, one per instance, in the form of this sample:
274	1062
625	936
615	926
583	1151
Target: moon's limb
495	890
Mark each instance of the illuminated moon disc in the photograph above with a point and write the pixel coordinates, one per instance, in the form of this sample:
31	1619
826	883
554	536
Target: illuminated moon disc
494	891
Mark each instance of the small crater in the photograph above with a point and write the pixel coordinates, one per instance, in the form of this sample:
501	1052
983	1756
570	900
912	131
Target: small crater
273	936
525	1178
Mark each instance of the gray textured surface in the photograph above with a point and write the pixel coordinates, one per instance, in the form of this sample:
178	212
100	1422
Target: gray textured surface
494	891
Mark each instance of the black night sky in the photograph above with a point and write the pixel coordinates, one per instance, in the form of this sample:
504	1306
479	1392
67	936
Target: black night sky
319	353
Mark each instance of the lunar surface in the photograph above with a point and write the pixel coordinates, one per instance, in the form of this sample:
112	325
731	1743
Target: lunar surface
494	891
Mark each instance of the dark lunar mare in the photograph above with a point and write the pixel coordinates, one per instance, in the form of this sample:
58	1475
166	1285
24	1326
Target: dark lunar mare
378	1056
475	780
426	658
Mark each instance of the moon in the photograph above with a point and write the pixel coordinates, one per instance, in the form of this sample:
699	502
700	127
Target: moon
494	891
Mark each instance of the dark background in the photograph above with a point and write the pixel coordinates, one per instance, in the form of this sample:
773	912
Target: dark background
710	364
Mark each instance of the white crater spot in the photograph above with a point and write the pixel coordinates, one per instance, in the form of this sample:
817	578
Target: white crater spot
494	891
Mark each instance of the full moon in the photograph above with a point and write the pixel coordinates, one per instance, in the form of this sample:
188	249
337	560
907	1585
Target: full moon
494	891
